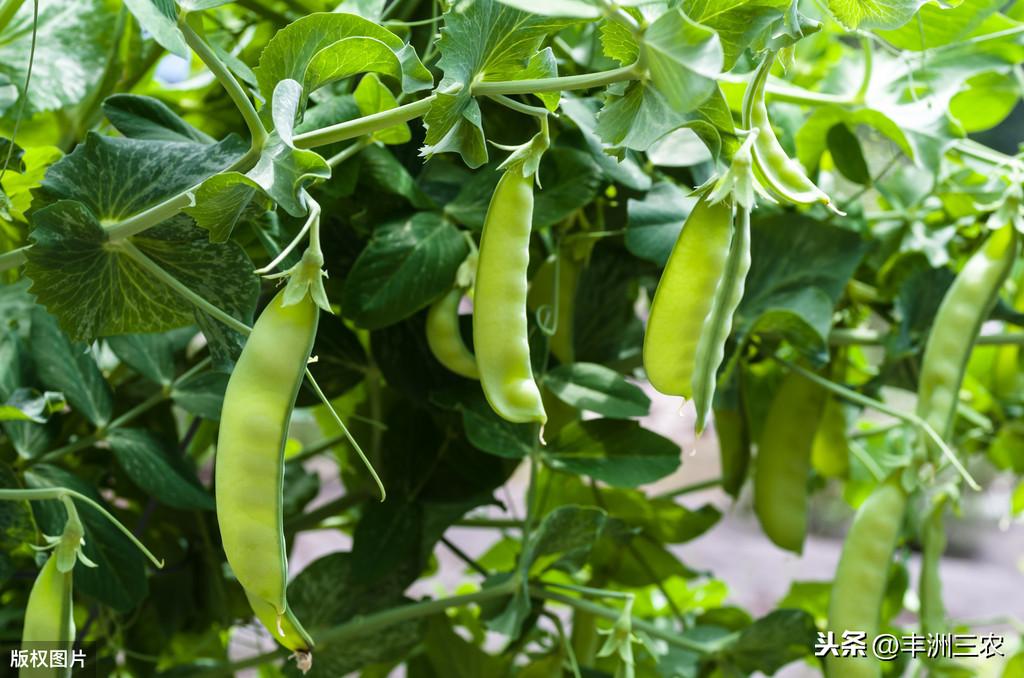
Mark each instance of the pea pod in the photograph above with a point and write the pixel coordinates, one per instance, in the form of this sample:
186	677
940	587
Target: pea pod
780	175
830	453
542	291
966	305
444	337
718	324
250	459
685	297
48	616
500	327
858	589
933	542
784	461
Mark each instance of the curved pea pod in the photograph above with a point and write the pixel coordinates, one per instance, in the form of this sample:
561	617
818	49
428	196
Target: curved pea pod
286	627
784	461
48	616
541	295
830	452
500	326
783	177
966	305
858	589
257	408
444	336
685	297
717	326
734	448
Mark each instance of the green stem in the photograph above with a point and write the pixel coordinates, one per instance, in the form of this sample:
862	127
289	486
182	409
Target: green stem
865	82
558	84
227	81
518	106
151	217
344	429
7	11
349	151
864	337
495	523
612	615
695	487
59	493
978	40
199	302
367	124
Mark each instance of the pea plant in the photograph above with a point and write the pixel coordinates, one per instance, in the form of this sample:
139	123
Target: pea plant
285	273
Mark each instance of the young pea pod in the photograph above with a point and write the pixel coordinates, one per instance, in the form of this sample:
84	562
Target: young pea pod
784	461
780	175
933	543
858	589
48	617
966	305
830	452
500	327
685	297
444	337
560	269
250	460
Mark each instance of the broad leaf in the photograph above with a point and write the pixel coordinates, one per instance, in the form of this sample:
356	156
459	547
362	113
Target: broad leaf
151	355
144	459
593	387
617	452
160	19
739	23
201	394
874	13
656	220
141	117
684	58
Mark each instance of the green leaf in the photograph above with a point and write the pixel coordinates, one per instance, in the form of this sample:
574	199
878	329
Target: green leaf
812	137
583	112
847	154
70	369
201	394
941	23
605	325
119	579
563	540
773	641
146	462
320	47
655	221
874	13
452	656
482	40
118	178
26	404
489	433
151	355
341	361
406	265
142	117
593	387
684	59
16	525
373	97
221	201
96	289
1017	500
160	19
617	452
739	23
570	180
73	42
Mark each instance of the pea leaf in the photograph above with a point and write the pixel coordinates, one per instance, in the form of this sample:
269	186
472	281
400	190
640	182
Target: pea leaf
72	253
617	452
482	40
69	367
373	97
201	394
874	13
341	361
74	39
684	58
489	433
151	355
221	201
627	171
142	117
593	387
570	179
406	265
160	19
144	460
773	641
655	221
322	47
739	23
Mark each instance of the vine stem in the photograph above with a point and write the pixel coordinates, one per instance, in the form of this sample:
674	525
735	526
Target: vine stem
557	84
910	418
695	487
227	80
61	494
314	215
864	337
364	125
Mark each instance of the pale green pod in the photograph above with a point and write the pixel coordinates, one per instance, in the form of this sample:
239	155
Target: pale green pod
444	337
966	305
685	296
250	449
500	327
48	616
862	575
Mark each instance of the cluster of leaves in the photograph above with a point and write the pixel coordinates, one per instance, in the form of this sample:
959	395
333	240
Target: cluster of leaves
129	194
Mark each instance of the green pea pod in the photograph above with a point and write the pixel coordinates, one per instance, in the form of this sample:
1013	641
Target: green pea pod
784	461
286	627
500	327
444	337
734	448
933	542
858	589
783	177
685	297
48	616
250	457
830	453
718	324
966	305
542	291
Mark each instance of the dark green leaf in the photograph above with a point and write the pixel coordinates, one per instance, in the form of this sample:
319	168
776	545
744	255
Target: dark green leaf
656	221
146	462
341	360
773	641
589	386
151	355
201	394
160	19
847	154
617	452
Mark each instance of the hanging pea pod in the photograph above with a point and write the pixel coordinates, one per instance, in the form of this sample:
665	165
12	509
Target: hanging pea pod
966	305
48	617
560	269
933	542
444	336
830	452
500	325
685	297
858	589
783	177
250	461
783	461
